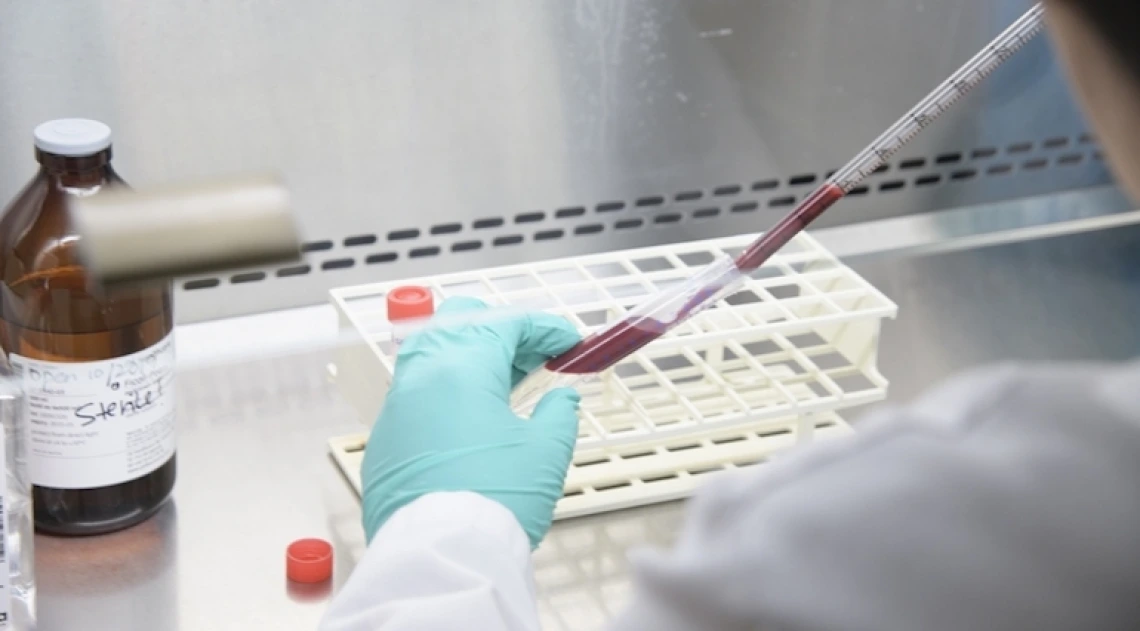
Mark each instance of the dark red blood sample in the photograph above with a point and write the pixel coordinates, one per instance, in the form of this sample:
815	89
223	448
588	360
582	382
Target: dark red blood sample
811	207
606	348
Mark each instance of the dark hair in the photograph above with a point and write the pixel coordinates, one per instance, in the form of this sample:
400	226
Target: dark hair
1118	22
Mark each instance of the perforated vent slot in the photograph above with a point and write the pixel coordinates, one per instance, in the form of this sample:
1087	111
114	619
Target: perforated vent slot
665	210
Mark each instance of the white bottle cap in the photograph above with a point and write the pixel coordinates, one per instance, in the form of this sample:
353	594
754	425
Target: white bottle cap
72	137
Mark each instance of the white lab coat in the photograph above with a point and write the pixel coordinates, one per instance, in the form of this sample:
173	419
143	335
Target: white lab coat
1007	499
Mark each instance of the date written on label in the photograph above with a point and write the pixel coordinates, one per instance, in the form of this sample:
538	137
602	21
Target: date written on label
138	369
126	373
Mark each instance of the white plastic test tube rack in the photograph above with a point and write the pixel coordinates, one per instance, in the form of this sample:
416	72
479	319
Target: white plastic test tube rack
766	368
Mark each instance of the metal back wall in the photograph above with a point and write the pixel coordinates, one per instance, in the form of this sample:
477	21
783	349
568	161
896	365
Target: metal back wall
439	135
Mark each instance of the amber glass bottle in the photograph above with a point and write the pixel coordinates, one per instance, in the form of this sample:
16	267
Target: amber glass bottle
98	367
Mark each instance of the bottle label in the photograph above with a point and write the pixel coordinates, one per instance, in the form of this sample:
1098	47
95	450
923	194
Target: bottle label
99	423
5	571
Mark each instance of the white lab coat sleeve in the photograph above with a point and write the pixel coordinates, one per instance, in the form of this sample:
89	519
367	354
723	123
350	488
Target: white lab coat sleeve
446	561
1007	500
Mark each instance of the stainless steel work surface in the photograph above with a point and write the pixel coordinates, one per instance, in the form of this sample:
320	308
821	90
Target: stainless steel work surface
254	473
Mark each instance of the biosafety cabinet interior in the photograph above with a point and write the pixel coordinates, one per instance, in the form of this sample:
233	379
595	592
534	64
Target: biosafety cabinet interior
429	137
436	140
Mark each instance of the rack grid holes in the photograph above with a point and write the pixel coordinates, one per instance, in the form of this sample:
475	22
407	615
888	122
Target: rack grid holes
688	196
613	485
802	180
806	340
948	158
765	185
1072	158
778	202
783	292
548	235
1054	143
983	152
609	207
853	383
964	174
882	168
859	190
928	180
706	213
697	259
667	218
728	189
653	264
637	454
744	207
912	163
831	361
629	224
999	169
744	297
1020	147
892	185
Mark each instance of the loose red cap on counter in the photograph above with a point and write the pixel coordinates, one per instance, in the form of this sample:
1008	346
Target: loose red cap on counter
410	302
309	561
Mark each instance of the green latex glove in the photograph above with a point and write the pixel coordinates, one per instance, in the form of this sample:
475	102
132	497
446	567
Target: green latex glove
447	424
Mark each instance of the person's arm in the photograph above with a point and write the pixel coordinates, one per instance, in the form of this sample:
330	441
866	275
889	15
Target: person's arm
444	562
1008	499
456	488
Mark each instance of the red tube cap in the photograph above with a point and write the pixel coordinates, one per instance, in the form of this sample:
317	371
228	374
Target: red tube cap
410	302
309	561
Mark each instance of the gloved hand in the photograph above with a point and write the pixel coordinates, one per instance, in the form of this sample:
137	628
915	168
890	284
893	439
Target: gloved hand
447	424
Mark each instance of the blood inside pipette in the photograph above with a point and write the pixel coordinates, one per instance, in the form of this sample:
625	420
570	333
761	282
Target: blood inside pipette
598	351
613	344
792	224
